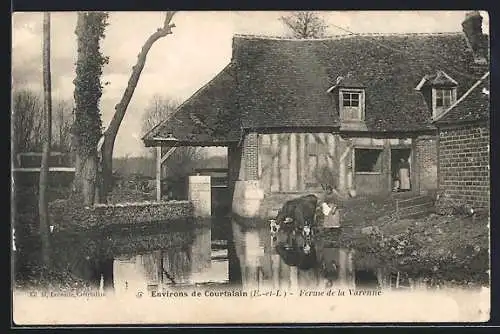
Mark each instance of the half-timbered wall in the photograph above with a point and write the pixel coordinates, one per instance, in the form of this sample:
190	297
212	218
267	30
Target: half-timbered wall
302	162
296	162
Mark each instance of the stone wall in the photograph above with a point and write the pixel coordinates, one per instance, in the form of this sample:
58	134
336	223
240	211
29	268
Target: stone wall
464	173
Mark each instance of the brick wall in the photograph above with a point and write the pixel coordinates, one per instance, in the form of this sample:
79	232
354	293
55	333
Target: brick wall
426	158
464	164
250	154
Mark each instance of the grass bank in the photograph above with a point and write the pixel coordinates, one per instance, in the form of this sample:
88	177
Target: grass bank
440	249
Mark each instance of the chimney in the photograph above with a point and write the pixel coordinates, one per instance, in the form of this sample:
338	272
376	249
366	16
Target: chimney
472	27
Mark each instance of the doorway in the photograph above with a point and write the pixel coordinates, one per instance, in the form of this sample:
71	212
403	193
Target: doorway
401	159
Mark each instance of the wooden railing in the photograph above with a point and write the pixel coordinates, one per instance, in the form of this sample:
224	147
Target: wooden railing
414	206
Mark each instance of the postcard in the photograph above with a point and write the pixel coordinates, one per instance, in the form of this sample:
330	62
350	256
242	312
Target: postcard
244	167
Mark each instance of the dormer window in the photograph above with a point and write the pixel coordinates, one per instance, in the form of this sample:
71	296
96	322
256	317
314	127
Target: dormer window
352	104
442	99
440	91
349	93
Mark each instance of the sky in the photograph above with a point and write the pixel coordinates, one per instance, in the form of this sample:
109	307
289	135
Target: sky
179	64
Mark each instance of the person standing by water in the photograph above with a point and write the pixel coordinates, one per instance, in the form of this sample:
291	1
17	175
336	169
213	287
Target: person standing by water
404	175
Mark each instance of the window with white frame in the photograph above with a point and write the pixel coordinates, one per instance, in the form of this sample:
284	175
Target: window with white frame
443	98
351	105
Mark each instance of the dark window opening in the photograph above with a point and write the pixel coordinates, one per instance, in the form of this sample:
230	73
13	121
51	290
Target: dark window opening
366	279
368	160
351	99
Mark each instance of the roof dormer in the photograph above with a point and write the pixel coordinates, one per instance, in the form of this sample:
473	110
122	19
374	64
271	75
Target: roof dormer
349	93
439	90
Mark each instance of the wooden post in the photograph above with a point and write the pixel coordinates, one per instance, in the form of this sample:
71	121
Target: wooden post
158	173
302	170
293	162
275	172
284	167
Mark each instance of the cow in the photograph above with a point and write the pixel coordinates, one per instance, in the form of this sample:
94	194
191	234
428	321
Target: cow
294	229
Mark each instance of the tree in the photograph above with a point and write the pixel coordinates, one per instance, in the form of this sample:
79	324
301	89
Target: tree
87	126
158	109
26	111
305	24
121	108
183	159
27	122
61	127
44	170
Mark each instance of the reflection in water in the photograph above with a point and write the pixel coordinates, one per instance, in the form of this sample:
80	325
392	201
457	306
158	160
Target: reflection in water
261	265
192	264
148	260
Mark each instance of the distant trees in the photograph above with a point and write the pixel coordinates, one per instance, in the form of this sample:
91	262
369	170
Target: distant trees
157	110
305	24
183	159
27	122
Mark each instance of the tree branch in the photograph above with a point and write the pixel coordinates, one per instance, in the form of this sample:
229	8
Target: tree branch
121	108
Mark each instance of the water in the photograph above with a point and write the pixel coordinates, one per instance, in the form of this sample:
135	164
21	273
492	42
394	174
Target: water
169	255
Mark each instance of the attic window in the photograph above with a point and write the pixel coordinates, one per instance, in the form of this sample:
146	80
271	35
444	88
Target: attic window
443	93
443	98
351	99
352	104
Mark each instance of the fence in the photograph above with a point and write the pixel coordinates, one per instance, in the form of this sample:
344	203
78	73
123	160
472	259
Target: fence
415	206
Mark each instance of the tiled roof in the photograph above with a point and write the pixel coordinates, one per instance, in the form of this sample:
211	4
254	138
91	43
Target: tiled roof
284	82
474	105
439	79
276	82
209	116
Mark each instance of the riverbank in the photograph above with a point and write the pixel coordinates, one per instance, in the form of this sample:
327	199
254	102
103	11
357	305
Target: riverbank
438	249
78	250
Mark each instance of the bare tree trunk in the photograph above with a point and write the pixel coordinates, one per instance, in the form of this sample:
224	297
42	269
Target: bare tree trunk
121	107
44	170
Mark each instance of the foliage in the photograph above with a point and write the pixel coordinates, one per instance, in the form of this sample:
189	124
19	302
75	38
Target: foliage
27	122
305	24
88	89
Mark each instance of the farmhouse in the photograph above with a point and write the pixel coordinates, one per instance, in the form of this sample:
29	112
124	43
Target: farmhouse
344	112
